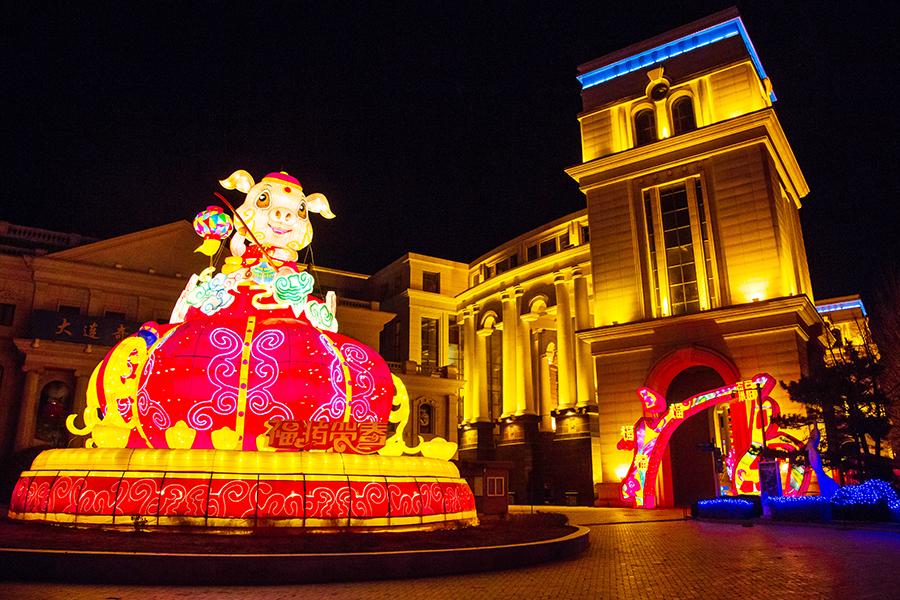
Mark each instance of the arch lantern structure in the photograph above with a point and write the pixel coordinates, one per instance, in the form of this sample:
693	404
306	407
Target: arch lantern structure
648	438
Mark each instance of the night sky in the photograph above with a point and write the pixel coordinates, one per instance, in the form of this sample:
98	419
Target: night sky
440	128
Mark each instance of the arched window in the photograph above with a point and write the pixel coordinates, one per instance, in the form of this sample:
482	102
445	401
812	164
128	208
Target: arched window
54	405
683	118
644	127
426	418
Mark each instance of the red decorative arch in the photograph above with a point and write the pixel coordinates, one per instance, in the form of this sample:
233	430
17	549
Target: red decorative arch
648	438
668	367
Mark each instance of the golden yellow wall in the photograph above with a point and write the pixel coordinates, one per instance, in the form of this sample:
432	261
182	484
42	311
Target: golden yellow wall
735	91
617	294
744	226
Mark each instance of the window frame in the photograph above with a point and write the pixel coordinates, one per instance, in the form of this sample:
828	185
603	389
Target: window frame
431	279
507	264
435	362
660	302
638	111
675	99
7	314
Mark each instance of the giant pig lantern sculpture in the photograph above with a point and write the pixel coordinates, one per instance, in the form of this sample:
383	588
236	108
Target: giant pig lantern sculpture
247	409
244	347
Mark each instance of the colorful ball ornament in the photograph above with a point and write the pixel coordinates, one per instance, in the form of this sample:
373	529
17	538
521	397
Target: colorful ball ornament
213	226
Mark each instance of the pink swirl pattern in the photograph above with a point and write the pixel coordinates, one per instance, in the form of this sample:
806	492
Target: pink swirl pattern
328	500
370	499
184	498
332	410
138	496
259	398
64	494
147	406
98	496
222	372
232	498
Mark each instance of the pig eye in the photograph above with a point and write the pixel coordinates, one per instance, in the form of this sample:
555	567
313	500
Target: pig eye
263	200
301	209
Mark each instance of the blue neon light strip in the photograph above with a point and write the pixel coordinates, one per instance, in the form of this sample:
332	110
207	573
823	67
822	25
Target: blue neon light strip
827	308
682	45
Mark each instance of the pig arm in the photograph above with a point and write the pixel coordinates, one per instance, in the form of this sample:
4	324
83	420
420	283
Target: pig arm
237	244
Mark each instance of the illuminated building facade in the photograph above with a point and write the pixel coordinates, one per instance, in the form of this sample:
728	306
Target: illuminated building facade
685	272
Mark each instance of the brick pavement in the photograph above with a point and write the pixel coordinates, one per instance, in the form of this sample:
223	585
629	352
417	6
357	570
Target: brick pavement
651	559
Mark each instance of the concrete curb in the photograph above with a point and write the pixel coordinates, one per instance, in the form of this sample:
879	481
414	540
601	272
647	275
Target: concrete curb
145	568
840	525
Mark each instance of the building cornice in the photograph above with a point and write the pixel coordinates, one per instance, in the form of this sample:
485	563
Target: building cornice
537	232
64	272
530	272
757	128
49	354
796	313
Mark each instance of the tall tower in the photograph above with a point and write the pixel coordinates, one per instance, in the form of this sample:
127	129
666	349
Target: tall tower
697	256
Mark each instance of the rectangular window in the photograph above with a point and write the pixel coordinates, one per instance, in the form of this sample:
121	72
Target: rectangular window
114	314
454	346
431	282
531	253
681	270
429	355
548	247
681	260
507	264
494	356
564	241
69	310
495	486
585	234
7	314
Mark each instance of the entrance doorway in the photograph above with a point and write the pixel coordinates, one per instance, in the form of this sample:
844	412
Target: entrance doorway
691	448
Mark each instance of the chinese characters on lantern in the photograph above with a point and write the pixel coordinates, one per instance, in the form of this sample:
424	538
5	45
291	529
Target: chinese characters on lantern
335	436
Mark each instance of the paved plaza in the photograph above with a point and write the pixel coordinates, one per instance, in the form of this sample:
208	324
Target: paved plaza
633	554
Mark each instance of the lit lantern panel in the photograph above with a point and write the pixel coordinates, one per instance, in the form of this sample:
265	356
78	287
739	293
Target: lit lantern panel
216	373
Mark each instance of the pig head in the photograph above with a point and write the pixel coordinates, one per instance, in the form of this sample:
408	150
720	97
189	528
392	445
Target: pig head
276	213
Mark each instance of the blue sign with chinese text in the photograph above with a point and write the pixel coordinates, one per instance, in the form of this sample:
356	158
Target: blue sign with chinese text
80	329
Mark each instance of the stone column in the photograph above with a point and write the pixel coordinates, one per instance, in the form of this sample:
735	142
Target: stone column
28	409
546	392
510	350
584	363
565	344
79	398
480	410
524	368
469	364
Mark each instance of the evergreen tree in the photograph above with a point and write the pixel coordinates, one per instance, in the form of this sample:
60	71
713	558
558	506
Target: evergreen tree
845	395
886	331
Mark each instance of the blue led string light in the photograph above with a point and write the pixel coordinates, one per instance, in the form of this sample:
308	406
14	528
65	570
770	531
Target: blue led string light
849	304
682	45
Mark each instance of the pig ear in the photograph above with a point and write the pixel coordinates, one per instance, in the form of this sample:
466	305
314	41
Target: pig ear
318	203
239	180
